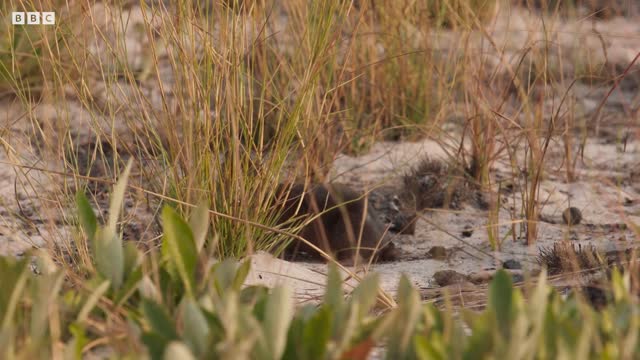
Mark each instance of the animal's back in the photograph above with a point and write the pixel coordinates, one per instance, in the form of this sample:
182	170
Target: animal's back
344	221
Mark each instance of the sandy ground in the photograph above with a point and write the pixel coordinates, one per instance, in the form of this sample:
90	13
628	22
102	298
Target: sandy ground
606	190
605	205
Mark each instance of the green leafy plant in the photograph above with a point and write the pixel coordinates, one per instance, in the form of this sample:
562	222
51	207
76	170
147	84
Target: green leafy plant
175	302
188	307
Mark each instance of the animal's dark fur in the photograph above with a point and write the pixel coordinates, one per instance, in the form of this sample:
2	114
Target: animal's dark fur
345	223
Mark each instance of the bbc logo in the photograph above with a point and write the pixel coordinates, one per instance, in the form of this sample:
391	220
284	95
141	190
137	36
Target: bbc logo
33	18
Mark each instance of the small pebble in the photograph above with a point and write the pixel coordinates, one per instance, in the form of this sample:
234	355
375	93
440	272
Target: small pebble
481	277
517	278
437	253
512	264
467	232
507	186
449	277
572	216
481	201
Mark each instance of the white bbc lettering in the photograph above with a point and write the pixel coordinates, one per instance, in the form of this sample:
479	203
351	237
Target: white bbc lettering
33	18
17	18
48	18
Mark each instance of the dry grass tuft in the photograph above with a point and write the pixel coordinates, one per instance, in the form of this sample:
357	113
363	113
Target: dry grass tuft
564	257
435	184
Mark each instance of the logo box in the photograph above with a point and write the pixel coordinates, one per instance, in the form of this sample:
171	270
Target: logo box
48	18
33	18
18	18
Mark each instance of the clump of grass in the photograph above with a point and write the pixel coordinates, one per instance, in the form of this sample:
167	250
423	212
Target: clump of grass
435	184
254	98
563	258
398	78
236	114
247	117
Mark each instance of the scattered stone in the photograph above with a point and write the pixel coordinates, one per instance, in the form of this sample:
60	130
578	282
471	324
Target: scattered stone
467	232
512	264
486	276
481	277
482	201
449	277
607	228
547	219
507	187
456	294
437	253
572	216
517	277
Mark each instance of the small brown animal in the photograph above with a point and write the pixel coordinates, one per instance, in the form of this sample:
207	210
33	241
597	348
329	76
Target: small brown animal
344	224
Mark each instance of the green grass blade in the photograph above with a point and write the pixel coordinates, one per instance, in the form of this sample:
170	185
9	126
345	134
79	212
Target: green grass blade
159	320
196	333
501	301
13	276
199	223
117	197
88	220
92	301
178	239
278	315
178	351
109	256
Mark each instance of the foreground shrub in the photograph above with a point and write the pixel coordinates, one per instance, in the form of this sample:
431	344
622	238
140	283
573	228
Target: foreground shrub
174	303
